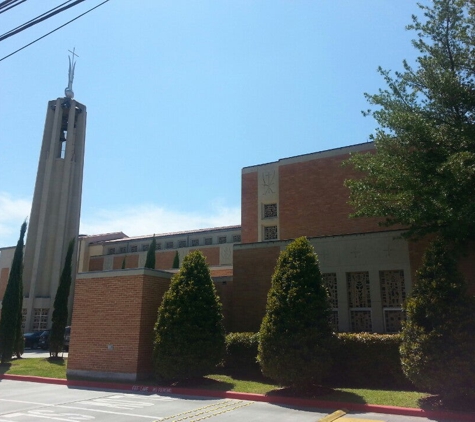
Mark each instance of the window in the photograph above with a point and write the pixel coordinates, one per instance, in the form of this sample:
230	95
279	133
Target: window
208	241
40	319
329	281
182	243
133	248
145	247
236	238
195	242
222	239
158	246
270	233
23	318
359	301
270	211
393	294
111	251
122	249
169	245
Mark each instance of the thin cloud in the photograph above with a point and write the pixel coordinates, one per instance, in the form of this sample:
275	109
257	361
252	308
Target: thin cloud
13	212
148	219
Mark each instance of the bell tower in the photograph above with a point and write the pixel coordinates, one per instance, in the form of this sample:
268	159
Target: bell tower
56	208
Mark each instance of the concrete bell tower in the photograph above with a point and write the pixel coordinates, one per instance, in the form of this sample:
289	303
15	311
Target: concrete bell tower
56	208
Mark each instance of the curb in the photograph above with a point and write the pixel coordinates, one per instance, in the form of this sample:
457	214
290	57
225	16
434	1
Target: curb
292	401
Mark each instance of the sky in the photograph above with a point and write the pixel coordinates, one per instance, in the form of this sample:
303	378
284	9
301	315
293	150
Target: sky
183	94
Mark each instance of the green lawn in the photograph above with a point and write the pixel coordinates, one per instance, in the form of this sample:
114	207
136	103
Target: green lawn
57	369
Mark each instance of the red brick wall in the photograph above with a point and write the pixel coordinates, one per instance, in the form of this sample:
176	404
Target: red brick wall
3	281
224	289
118	260
121	311
96	263
253	269
132	261
314	202
249	208
211	255
164	260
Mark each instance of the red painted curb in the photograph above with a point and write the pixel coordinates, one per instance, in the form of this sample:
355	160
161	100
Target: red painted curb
292	401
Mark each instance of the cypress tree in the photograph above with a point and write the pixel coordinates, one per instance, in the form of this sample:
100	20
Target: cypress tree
438	338
123	263
189	333
60	312
19	341
295	333
12	302
150	261
176	261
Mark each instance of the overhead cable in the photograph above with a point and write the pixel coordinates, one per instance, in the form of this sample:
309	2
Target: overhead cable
54	30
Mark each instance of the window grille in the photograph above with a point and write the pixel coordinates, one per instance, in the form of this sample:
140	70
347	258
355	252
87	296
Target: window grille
182	243
133	248
236	238
195	242
270	210
122	249
169	245
359	301
111	251
393	294
270	233
40	319
222	239
208	241
145	247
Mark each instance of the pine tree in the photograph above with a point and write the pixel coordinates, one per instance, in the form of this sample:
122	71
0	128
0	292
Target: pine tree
60	312
296	333
189	333
12	302
438	338
150	261
176	261
422	175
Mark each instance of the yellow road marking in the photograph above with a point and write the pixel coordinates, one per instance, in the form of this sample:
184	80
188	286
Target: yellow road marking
333	416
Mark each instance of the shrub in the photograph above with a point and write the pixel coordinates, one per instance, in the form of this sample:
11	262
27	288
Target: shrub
438	339
189	333
295	333
367	360
241	354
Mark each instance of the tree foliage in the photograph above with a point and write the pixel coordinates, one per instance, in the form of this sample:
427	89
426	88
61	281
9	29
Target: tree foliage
438	338
60	312
12	303
295	333
189	333
423	172
150	260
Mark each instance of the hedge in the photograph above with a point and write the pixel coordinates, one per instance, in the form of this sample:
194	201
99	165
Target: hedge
359	359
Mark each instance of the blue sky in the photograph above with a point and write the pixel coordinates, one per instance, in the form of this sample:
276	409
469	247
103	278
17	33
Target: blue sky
182	94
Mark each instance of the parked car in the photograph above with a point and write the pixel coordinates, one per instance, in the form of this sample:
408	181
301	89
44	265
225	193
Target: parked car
32	339
44	340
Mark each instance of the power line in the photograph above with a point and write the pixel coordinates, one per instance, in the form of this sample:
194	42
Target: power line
39	19
54	30
9	4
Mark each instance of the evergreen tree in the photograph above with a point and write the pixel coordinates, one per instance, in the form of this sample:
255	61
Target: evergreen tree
295	333
176	261
123	263
19	340
438	338
12	302
60	312
150	261
189	333
423	172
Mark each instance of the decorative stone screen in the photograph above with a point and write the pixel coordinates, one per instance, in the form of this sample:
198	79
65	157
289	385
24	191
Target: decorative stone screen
40	319
182	243
111	251
169	245
195	242
133	248
393	294
359	301
208	241
122	249
270	233
158	246
23	318
222	239
270	211
236	238
145	247
329	281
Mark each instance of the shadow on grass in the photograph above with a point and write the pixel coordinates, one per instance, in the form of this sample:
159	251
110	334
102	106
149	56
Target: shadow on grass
59	361
5	367
436	402
317	392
